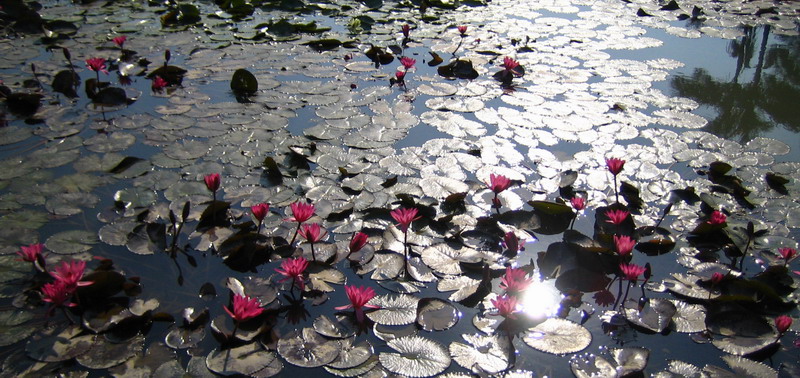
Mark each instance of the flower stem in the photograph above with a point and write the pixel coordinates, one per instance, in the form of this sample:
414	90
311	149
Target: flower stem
296	231
616	192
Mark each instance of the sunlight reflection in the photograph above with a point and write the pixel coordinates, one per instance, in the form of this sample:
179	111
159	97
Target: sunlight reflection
541	300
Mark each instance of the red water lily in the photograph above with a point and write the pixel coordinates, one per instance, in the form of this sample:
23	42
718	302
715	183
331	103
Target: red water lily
404	217
244	308
311	232
615	165
782	323
406	29
716	278
717	217
120	40
624	244
212	181
293	269
616	216
57	294
70	273
578	203
399	76
787	254
96	65
462	29
31	253
260	211
515	280
158	84
511	242
506	306
498	183
631	271
510	64
407	62
301	211
359	296
358	241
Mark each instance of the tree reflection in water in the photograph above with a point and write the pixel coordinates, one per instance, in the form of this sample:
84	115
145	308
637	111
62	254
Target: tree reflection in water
747	110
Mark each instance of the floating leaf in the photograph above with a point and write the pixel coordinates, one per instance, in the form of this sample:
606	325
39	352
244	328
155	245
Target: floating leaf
51	346
351	355
307	348
340	328
417	357
71	242
249	359
630	360
655	315
435	314
394	309
490	354
13	327
558	336
104	354
244	82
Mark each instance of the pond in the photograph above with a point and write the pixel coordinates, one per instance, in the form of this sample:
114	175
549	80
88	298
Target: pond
399	188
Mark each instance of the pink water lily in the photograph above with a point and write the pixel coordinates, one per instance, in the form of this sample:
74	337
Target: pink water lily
260	211
244	308
301	211
359	296
57	294
716	278
782	323
786	253
212	181
313	233
511	242
119	40
515	280
509	63
358	241
404	217
96	65
31	253
399	76
624	244
506	306
631	272
616	216
70	273
717	217
498	183
578	203
293	269
615	165
408	63
158	84
462	29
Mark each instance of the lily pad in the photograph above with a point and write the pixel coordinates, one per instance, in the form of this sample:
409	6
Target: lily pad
71	242
249	359
490	354
307	348
416	357
558	336
398	309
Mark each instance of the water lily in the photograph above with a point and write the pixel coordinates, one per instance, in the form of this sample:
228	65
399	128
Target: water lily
506	306
624	244
511	242
716	278
615	165
358	241
406	29
158	84
212	183
782	323
578	203
498	183
97	65
301	211
119	40
57	294
631	272
313	233
33	254
462	29
359	296
408	63
293	269
787	254
244	308
399	78
259	212
404	217
616	216
515	280
70	273
509	64
716	218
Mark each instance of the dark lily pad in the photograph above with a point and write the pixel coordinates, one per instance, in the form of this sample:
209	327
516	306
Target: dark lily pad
51	345
249	359
71	242
655	315
13	327
104	354
244	82
416	357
